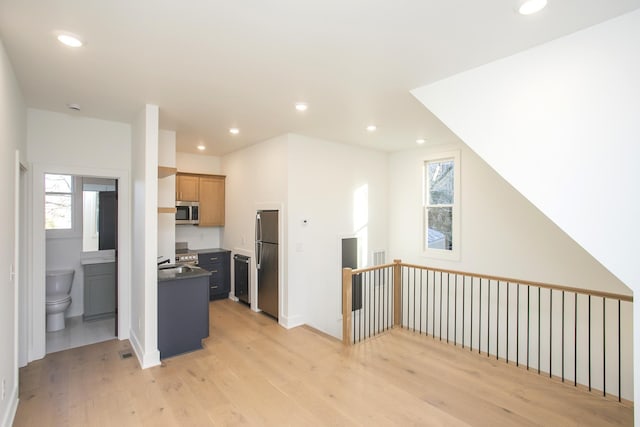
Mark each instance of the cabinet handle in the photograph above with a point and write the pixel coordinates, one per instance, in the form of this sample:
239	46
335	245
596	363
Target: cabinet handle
214	271
214	259
215	287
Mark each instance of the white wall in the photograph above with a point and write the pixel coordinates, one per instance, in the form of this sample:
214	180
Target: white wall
12	138
256	179
198	163
71	140
200	237
167	195
144	289
69	144
560	123
341	191
502	233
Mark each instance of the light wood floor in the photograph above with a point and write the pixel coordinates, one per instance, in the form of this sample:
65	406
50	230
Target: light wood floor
253	372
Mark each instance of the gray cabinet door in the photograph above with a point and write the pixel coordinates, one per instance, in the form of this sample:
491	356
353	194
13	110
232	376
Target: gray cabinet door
99	290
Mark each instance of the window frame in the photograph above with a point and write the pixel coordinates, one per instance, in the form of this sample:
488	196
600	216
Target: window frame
452	254
76	208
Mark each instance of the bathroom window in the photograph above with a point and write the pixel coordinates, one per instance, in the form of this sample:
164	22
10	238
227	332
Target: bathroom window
58	202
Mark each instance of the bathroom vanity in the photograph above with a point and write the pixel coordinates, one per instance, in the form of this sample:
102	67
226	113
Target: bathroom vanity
183	310
99	290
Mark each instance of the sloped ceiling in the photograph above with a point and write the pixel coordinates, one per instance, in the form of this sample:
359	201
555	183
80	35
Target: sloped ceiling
212	65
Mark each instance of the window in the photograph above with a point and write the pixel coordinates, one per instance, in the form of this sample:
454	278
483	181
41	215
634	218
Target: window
58	202
441	206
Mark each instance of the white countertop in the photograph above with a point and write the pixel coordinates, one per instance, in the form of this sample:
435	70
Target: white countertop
101	257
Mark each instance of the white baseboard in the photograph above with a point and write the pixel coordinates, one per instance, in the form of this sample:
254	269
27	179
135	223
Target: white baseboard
289	322
9	416
145	360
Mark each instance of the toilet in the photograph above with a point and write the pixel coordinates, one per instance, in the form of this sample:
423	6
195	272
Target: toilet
58	284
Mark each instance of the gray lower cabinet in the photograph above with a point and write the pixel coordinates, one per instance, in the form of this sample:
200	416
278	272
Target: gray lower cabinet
218	262
99	290
183	315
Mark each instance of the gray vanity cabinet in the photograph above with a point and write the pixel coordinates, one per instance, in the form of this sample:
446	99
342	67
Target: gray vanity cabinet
99	290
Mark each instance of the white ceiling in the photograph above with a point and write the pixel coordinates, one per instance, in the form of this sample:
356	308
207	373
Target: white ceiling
211	65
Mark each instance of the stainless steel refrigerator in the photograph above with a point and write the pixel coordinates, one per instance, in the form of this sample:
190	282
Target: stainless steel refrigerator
267	261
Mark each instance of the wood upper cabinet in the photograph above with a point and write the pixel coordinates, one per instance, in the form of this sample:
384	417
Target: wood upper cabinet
211	200
187	188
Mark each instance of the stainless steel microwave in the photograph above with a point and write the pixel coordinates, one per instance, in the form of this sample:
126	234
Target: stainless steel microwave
187	213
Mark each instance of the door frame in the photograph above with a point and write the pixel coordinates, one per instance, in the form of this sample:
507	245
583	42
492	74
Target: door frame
36	345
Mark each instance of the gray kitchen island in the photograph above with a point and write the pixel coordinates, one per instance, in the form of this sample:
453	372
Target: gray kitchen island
183	309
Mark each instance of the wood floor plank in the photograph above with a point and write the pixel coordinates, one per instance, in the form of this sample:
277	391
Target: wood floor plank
254	372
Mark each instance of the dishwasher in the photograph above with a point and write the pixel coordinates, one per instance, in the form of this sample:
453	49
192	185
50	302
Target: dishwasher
241	278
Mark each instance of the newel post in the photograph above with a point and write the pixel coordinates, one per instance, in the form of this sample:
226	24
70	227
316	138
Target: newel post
346	305
397	286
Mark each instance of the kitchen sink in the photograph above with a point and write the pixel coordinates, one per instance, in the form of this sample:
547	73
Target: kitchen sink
175	268
180	271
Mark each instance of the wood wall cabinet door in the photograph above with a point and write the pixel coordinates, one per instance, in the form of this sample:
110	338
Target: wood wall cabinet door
187	188
211	201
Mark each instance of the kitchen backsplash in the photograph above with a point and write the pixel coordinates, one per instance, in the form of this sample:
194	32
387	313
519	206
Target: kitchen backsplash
200	237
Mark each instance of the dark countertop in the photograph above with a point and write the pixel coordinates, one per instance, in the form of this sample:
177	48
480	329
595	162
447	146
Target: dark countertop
169	274
209	251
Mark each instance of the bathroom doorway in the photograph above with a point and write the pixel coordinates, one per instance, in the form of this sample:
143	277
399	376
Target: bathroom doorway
81	228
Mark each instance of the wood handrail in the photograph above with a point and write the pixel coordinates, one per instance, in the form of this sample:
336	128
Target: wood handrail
375	267
591	292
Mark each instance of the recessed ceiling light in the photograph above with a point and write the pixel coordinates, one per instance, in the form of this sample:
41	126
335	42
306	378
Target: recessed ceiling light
301	106
201	147
371	128
69	40
234	131
529	7
420	141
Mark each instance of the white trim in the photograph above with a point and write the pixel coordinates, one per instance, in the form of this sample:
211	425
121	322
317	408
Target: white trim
37	260
12	407
146	360
291	322
22	282
15	272
454	254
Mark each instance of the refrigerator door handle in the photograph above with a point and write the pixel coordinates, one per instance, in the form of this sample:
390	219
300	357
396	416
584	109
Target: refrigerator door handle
258	254
258	227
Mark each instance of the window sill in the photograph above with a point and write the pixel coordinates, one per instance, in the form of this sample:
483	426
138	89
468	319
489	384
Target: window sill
63	234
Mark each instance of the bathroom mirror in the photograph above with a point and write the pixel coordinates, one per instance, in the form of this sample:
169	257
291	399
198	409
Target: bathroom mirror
99	214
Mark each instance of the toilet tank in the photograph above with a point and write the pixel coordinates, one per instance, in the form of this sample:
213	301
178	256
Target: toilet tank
59	281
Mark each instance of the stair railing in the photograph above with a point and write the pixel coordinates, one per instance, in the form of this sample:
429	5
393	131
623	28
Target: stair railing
575	335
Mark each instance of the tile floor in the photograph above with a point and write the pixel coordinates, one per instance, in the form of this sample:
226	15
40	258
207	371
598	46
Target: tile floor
78	333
